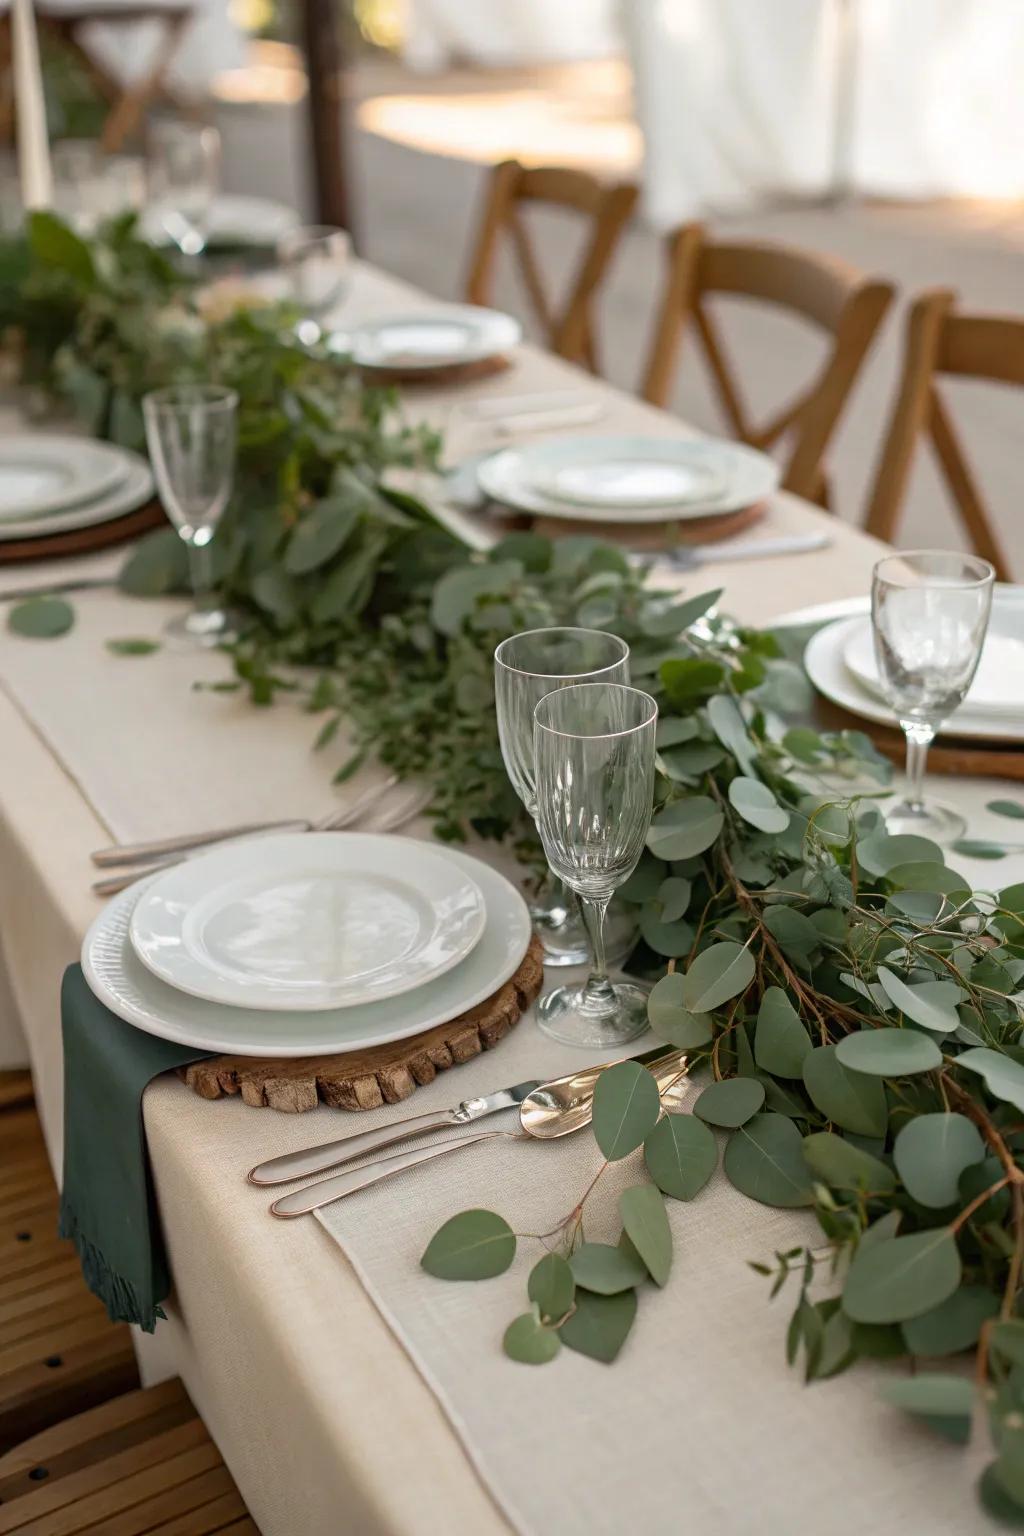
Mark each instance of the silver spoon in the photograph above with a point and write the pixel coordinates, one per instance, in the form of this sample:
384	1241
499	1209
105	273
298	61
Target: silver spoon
557	1109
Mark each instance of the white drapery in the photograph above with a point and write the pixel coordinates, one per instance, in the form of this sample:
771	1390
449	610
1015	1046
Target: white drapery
492	33
741	99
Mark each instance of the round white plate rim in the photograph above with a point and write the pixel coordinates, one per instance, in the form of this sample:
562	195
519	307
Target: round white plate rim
500	332
761	473
99	468
867	676
825	650
106	954
684	453
232	218
136	488
854	607
168	955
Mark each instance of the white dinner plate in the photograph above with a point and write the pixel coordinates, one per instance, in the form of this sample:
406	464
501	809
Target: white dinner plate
44	472
998	687
825	665
745	478
442	338
131	492
121	981
232	220
308	920
628	472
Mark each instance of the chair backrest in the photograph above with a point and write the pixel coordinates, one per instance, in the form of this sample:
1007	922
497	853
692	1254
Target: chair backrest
829	293
568	326
940	341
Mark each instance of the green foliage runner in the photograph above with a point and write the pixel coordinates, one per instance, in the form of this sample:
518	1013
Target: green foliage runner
849	1003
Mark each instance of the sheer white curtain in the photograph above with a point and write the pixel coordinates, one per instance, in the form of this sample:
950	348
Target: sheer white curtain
507	32
742	99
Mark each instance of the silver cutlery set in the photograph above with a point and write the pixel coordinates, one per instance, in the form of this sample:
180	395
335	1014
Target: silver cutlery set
546	1111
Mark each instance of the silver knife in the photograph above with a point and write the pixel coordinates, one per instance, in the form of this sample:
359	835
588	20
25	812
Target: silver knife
347	1149
747	549
297	1165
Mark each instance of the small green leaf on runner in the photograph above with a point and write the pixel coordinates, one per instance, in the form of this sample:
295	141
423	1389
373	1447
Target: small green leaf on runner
41	618
672	621
946	1403
902	1277
685	828
764	1159
850	1099
719	973
320	535
158	564
475	1245
606	1269
839	1164
681	1155
1012	808
600	1324
757	805
551	1286
626	1108
889	1052
1004	1078
781	1043
932	1004
955	1324
133	647
979	848
730	1102
931	1152
671	1020
642	1208
528	1341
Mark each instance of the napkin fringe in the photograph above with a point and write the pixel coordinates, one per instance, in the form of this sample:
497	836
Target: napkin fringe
117	1294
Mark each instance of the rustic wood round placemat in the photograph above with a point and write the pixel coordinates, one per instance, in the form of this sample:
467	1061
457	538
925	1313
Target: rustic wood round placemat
654	536
84	541
384	1075
455	373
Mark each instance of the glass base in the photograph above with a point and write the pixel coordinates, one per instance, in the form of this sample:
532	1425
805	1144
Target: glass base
931	819
200	629
561	1015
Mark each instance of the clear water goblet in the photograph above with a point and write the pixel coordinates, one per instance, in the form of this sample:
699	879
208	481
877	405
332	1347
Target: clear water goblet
526	667
316	261
190	432
183	172
929	615
594	748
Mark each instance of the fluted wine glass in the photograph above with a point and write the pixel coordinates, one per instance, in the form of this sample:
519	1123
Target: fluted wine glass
594	746
526	667
929	616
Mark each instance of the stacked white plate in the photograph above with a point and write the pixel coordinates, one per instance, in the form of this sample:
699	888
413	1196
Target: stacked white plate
840	662
629	479
422	342
231	221
307	944
55	484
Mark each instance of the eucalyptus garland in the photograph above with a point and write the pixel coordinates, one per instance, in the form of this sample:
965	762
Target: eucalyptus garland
848	1003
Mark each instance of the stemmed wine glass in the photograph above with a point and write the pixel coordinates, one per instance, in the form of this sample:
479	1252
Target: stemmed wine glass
316	260
183	169
929	614
526	667
190	432
594	759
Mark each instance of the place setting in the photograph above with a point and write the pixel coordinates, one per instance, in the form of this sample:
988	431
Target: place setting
65	494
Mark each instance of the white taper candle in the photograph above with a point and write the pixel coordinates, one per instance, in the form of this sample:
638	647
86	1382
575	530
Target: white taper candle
30	106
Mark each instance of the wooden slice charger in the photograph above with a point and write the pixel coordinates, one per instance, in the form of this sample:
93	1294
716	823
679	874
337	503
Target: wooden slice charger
383	1075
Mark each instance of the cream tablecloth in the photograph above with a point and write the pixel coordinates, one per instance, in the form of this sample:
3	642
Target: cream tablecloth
322	1416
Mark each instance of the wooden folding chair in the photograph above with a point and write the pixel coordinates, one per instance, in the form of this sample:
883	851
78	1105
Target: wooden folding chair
142	1462
569	327
941	341
829	293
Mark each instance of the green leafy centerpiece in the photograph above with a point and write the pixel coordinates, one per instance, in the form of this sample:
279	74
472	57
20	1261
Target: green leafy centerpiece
847	1002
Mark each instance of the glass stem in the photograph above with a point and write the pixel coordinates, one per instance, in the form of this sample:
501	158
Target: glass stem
598	994
919	739
200	568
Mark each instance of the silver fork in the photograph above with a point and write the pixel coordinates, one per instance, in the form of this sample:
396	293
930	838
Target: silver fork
335	822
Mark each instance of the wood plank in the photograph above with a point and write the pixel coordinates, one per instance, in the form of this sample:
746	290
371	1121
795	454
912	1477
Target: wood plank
202	1504
98	1433
91	1512
15	1090
57	1386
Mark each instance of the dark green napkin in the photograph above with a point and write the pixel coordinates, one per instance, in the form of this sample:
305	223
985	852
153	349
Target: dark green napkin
107	1206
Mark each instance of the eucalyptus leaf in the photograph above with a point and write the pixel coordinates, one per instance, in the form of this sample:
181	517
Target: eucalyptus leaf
953	1325
718	974
529	1341
673	620
841	1165
672	938
757	805
626	1107
551	1286
41	618
642	1208
132	646
320	535
674	898
681	1155
781	1042
475	1245
605	1269
764	1159
902	1277
671	1020
853	1100
1011	808
600	1324
1004	1077
932	1004
882	851
727	722
157	565
889	1052
946	1403
932	1151
684	828
730	1102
